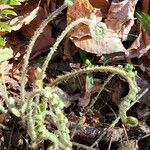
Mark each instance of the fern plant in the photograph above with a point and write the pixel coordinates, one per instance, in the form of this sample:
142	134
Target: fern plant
44	101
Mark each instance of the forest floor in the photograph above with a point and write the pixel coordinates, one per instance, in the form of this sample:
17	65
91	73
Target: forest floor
91	101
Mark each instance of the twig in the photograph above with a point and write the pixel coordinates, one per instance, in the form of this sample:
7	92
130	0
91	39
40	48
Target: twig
101	89
83	146
125	132
110	143
145	136
11	135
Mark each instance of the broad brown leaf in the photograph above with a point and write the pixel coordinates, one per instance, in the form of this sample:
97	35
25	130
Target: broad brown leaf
140	46
24	19
120	17
109	44
81	35
81	9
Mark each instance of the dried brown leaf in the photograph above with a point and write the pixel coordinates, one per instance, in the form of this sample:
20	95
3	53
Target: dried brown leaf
11	75
102	4
145	6
120	17
109	44
81	9
24	19
140	46
44	40
84	101
81	35
114	134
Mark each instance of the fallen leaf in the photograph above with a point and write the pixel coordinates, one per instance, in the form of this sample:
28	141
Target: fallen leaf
145	6
102	4
144	127
81	9
11	75
140	46
45	39
120	17
111	43
24	19
114	134
85	100
36	15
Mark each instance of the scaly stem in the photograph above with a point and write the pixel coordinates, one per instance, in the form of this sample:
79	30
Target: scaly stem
133	89
58	41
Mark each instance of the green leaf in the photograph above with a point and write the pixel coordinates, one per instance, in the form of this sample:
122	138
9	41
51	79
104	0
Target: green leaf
41	108
86	61
89	81
5	54
38	128
89	77
8	12
5	26
2	41
10	2
144	18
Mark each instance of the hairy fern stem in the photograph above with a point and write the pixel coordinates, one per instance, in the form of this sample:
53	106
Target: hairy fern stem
29	50
133	88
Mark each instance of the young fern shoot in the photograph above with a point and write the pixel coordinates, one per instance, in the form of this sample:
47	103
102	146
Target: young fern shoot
97	31
38	31
128	75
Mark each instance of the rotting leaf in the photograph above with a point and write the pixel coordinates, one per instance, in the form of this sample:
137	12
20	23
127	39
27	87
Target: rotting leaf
140	46
131	144
11	75
45	40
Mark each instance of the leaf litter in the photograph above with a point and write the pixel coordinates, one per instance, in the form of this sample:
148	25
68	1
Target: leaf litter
120	20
